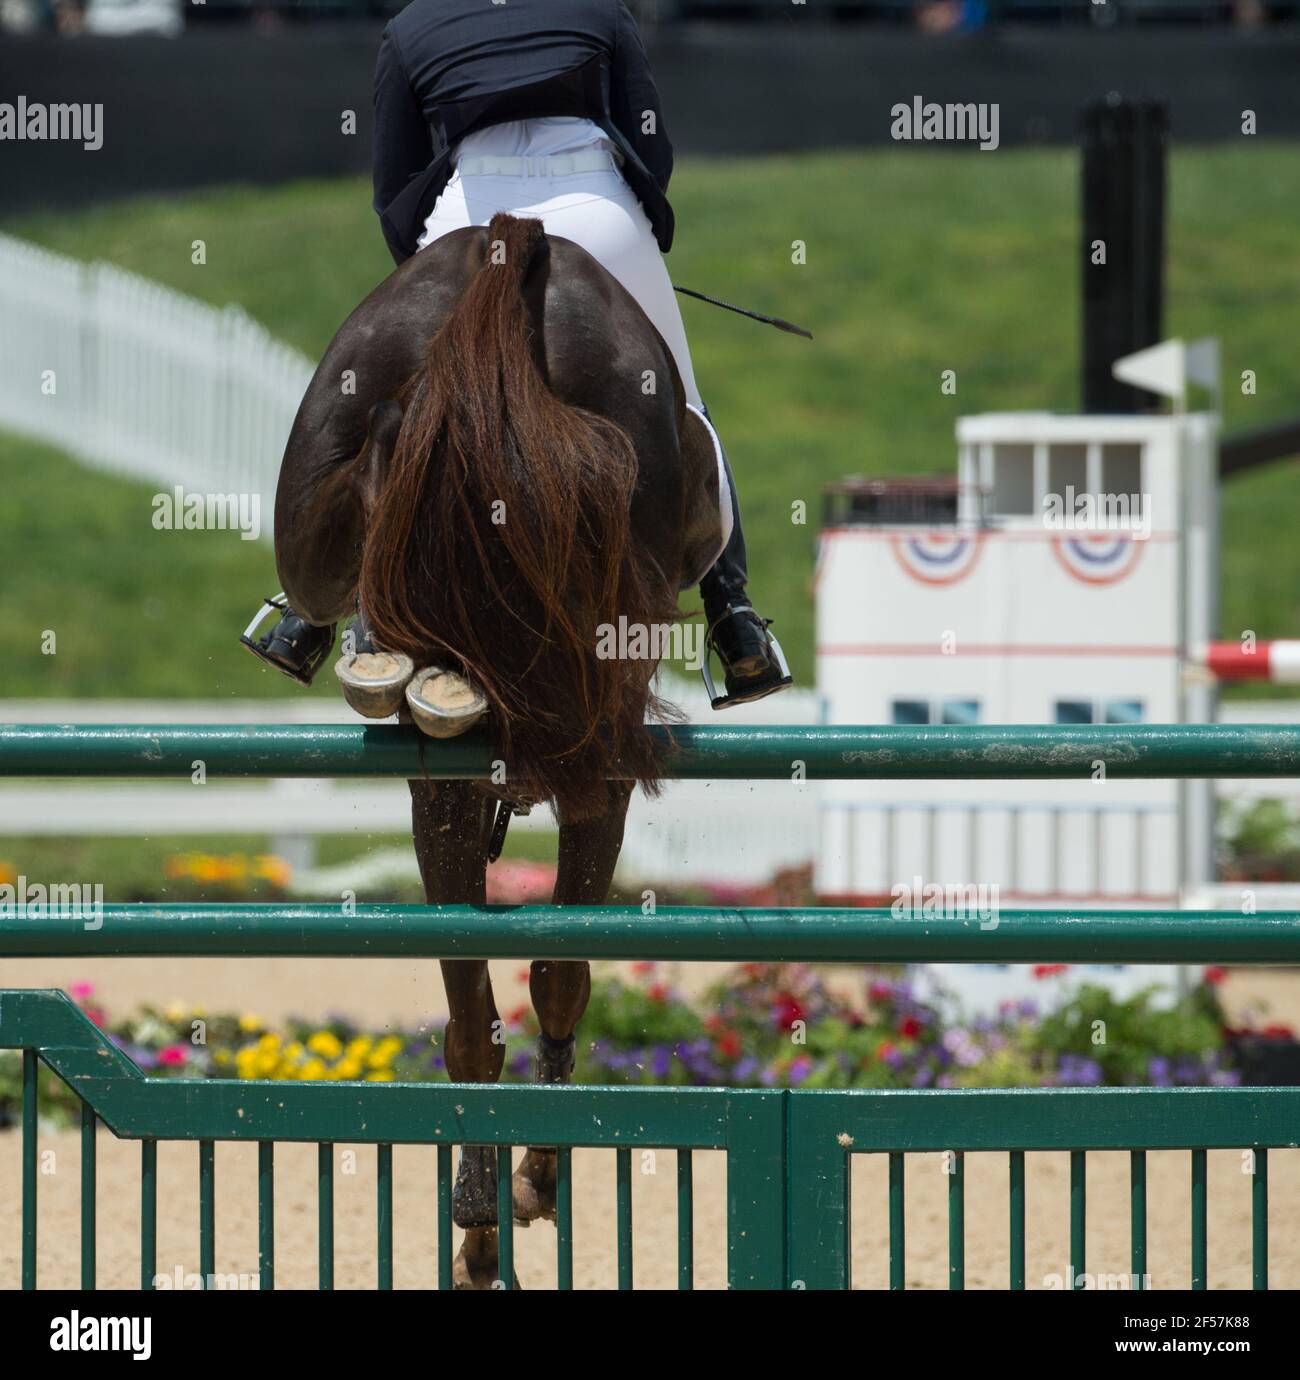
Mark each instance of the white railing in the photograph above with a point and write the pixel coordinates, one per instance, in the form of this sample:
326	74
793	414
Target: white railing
136	379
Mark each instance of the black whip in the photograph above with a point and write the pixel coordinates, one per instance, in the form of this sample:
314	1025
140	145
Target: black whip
776	321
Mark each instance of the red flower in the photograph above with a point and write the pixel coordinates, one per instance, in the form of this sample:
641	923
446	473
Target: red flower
172	1054
1214	976
515	1018
713	1022
729	1045
880	991
522	975
787	1012
643	966
657	991
1046	970
1278	1032
909	1028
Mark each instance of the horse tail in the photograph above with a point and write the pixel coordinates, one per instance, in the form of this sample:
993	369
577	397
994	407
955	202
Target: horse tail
502	544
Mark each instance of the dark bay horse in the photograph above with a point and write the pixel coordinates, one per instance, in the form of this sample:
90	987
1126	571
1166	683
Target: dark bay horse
495	459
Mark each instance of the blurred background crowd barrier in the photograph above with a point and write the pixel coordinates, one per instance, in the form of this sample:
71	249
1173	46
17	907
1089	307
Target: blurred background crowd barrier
171	17
786	79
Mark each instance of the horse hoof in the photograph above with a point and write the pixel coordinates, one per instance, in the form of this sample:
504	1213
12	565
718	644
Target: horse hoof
373	681
530	1201
533	1188
477	1273
443	704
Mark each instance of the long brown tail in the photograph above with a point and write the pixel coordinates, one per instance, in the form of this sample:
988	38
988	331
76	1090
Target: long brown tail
502	542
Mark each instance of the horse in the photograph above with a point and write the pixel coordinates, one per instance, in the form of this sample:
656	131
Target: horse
493	461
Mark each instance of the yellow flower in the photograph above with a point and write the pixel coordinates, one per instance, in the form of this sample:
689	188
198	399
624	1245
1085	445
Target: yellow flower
222	1056
382	1076
175	1011
248	1022
312	1069
273	869
359	1046
269	1042
294	1051
348	1068
267	1064
384	1052
326	1044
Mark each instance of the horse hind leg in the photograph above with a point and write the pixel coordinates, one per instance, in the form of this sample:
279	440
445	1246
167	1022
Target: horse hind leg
533	1187
560	991
452	823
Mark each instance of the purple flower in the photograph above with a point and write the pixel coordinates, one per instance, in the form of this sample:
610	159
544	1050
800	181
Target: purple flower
1076	1072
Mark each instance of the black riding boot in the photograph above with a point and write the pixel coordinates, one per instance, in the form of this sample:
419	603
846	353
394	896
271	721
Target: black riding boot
293	645
750	656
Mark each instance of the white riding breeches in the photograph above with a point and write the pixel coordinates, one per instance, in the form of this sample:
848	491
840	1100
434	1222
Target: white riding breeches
595	209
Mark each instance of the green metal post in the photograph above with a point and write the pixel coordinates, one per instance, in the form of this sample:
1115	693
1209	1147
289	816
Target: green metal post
88	1248
1259	1221
207	1213
1078	1215
685	1222
325	1213
148	1213
623	1163
1138	1215
1016	1205
266	1214
29	1168
897	1224
384	1215
957	1222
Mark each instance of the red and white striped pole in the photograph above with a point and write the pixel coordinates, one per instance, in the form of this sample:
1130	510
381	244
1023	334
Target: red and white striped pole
1274	661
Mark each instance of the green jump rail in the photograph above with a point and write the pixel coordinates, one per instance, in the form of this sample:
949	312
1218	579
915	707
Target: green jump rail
789	1151
742	752
673	933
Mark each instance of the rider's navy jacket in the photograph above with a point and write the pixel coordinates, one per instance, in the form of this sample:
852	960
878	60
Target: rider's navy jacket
449	67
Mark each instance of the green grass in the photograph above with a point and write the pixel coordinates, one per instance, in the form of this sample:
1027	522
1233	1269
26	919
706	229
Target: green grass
916	263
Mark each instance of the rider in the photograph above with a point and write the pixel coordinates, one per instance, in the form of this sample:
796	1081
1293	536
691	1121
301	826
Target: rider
544	108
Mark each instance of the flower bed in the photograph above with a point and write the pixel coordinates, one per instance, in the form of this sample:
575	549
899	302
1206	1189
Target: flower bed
764	1025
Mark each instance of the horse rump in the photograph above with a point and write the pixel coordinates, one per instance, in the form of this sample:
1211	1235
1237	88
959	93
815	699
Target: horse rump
502	542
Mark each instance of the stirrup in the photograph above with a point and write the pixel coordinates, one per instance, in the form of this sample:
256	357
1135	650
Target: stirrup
778	679
303	671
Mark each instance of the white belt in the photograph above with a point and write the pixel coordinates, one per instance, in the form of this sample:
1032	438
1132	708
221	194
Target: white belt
549	165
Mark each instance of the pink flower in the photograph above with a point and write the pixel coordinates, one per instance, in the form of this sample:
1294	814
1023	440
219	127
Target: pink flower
79	991
172	1054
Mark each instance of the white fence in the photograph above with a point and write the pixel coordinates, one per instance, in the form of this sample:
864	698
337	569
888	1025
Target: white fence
133	378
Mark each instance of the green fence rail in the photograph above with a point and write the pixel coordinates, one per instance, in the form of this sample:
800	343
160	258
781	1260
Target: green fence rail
789	1152
746	752
681	933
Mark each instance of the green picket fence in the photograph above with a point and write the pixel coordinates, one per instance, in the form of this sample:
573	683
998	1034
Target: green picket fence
789	1152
